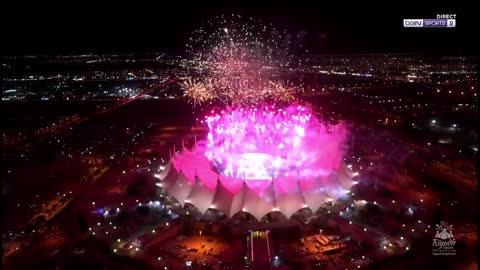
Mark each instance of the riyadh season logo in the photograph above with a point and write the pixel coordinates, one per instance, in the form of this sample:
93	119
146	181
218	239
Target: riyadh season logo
444	241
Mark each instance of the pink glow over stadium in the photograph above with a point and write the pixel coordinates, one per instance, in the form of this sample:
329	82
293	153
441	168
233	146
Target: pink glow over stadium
257	157
260	160
261	145
270	143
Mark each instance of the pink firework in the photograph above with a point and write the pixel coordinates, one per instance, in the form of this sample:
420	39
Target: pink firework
257	158
268	143
240	59
261	159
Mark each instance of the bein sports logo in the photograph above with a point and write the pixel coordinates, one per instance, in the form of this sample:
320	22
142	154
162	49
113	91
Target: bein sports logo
444	242
442	21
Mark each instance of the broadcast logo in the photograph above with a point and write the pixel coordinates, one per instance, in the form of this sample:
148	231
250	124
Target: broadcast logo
444	241
442	21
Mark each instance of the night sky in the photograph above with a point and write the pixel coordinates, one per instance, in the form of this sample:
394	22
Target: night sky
138	28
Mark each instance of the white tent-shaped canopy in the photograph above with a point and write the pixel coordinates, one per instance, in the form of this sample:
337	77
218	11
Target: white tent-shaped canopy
170	179
344	176
237	201
164	171
181	189
259	204
200	196
223	199
289	202
189	184
315	198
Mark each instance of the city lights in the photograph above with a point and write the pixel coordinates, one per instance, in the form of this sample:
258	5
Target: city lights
247	138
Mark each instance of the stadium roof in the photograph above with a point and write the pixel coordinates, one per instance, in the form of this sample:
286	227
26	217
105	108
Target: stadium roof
188	178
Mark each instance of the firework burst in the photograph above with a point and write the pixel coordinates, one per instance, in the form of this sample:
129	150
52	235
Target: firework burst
270	153
197	92
239	57
280	91
272	142
261	134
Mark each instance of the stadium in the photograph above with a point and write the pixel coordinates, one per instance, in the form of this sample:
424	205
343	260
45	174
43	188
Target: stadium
189	178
